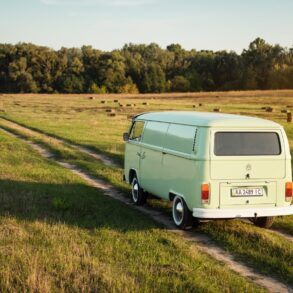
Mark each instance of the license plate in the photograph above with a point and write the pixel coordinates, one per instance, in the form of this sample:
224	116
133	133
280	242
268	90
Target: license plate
247	191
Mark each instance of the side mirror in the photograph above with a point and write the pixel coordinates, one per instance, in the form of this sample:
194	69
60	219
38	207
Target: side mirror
125	136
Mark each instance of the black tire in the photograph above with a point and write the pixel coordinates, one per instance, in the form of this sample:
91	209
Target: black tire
182	216
137	194
264	222
195	222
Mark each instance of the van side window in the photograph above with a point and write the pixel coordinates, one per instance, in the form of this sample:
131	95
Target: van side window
181	138
136	130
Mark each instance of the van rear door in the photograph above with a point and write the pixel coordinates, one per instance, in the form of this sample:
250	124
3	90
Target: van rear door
249	163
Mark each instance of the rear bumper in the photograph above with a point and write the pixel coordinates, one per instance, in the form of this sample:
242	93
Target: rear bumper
241	213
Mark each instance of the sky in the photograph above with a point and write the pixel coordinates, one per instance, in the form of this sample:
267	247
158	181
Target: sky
109	24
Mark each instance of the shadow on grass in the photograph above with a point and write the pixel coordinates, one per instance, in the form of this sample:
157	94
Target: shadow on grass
73	204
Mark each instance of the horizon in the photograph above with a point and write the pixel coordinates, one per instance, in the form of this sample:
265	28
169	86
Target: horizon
108	25
146	44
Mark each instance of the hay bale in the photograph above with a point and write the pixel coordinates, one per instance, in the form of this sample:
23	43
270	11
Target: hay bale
116	101
289	106
194	106
289	117
128	105
200	104
217	110
91	98
103	102
111	115
121	105
110	110
145	103
269	109
263	108
284	111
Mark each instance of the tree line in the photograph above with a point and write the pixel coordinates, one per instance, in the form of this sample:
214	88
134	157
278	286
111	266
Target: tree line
28	68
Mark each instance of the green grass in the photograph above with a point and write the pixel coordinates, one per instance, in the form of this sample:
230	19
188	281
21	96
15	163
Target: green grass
268	253
59	234
284	224
83	121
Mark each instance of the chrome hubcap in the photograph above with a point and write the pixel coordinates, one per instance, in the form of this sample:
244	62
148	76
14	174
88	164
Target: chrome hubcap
179	207
178	211
134	190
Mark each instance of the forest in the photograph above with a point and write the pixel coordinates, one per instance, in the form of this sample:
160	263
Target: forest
140	68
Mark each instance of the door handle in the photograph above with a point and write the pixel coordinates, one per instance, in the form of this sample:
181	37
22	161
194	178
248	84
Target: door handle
142	156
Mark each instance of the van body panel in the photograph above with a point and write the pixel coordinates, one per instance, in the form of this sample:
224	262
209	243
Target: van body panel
131	159
178	177
150	170
180	139
151	156
237	169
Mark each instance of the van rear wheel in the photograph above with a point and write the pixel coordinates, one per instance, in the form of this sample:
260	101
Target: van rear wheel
138	195
182	216
264	222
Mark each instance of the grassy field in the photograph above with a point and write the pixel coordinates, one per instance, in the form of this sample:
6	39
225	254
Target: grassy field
269	253
58	233
84	121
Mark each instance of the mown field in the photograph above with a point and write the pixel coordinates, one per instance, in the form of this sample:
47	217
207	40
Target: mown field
56	232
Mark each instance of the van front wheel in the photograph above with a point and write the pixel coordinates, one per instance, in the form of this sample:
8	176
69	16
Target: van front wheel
264	222
182	216
138	195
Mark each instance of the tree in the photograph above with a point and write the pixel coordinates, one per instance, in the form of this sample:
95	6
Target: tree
21	75
180	84
261	58
25	67
153	79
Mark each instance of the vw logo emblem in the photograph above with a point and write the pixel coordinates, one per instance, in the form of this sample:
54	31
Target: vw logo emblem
248	167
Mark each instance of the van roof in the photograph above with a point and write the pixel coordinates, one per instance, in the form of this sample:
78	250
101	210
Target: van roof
207	119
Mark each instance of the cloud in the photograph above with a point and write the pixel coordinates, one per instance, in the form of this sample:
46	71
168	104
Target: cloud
128	3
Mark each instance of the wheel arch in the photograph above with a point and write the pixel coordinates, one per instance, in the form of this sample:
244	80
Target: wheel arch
131	175
173	194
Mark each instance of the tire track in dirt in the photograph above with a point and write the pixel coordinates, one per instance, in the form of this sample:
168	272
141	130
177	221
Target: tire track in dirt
202	242
104	159
273	231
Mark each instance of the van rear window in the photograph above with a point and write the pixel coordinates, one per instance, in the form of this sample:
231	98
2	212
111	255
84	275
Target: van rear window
247	144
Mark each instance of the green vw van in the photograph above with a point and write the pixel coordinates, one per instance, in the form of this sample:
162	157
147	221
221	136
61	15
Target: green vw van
210	165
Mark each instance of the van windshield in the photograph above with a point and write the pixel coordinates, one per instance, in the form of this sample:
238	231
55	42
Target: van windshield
247	144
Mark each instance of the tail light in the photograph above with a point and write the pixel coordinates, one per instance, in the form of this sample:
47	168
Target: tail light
205	193
289	191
